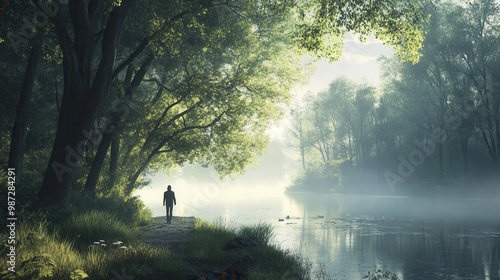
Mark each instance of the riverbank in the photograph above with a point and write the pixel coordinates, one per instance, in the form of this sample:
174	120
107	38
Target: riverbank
215	251
188	248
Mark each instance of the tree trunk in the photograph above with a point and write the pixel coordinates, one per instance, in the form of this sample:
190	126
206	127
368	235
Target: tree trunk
464	145
441	146
350	146
303	156
113	160
80	102
18	131
95	169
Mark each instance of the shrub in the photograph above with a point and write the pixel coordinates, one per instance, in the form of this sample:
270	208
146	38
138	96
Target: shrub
321	177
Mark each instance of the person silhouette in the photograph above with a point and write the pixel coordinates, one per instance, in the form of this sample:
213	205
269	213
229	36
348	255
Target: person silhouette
169	201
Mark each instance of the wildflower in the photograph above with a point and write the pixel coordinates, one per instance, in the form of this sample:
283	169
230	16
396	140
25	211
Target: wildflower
102	241
96	243
124	247
103	245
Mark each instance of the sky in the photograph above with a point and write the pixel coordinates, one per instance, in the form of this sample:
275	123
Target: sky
276	168
358	63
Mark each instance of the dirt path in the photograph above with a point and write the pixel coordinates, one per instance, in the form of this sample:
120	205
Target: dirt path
172	235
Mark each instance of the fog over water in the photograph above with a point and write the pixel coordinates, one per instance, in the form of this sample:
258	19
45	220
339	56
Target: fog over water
416	232
348	235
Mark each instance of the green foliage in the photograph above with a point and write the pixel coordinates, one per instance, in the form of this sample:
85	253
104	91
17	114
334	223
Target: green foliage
95	225
40	254
44	255
78	275
453	88
38	267
269	261
262	233
319	178
140	260
208	81
322	25
129	211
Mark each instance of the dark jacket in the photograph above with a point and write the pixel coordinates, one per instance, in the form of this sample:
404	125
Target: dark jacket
169	198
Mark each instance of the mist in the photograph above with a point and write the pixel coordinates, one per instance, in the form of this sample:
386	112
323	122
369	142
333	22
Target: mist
200	187
250	139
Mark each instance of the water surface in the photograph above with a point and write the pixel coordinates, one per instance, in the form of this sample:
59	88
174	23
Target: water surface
417	238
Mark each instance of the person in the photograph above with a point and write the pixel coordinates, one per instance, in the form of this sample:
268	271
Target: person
169	201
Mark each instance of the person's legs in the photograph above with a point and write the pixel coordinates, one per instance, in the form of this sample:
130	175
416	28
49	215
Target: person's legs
169	213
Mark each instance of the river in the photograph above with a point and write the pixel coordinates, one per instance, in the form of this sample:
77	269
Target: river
416	238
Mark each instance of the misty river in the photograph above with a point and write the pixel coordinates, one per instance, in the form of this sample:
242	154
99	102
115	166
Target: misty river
416	238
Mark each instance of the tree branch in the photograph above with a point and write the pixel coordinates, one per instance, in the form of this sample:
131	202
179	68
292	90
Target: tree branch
160	120
159	83
131	57
139	76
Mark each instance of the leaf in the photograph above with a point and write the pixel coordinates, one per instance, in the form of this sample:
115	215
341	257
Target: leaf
78	275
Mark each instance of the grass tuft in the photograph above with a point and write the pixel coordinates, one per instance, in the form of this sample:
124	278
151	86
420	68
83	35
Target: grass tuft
271	261
59	254
34	242
93	226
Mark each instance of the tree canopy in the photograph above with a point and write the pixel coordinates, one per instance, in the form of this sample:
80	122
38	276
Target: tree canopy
130	87
433	125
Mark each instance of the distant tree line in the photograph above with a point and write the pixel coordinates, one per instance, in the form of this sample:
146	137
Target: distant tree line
434	125
98	94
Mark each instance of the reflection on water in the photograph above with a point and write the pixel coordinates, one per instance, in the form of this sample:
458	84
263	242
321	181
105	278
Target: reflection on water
416	238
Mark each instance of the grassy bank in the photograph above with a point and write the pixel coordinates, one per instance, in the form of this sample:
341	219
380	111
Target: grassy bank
98	245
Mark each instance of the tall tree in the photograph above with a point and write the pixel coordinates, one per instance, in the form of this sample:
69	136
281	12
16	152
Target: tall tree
88	34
